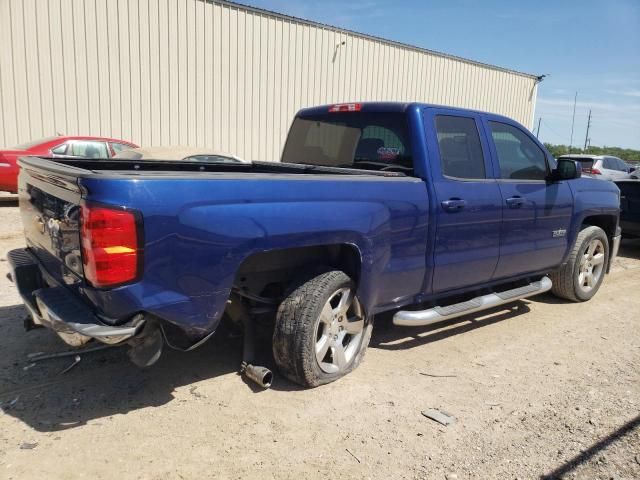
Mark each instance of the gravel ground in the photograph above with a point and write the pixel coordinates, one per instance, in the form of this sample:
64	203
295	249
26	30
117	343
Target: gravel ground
543	389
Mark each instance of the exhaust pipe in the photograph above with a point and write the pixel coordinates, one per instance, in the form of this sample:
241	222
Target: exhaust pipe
260	375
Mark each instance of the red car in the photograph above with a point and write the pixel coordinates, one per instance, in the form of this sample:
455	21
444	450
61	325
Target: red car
88	147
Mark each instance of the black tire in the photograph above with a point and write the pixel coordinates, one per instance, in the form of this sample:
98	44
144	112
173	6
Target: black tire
566	280
296	330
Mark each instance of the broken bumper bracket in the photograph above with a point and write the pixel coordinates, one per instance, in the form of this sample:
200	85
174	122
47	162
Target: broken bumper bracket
58	309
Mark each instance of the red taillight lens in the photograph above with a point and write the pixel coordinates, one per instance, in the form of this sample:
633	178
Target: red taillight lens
345	107
110	245
595	171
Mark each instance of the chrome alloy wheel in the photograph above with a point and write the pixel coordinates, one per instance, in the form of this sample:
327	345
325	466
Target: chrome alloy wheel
339	331
591	265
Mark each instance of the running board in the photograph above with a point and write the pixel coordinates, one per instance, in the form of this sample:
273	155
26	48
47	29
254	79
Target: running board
420	318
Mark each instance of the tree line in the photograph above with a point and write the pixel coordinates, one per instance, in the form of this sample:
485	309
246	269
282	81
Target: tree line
627	154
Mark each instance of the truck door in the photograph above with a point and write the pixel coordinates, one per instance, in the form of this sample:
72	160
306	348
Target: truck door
536	212
469	211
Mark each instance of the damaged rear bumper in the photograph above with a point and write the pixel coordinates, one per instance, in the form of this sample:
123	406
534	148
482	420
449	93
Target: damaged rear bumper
58	309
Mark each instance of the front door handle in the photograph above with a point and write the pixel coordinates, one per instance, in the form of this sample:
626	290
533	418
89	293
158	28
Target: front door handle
515	202
453	204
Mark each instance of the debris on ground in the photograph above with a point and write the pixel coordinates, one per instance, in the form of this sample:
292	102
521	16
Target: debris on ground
436	376
28	446
9	405
38	356
350	453
441	417
195	393
27	367
76	361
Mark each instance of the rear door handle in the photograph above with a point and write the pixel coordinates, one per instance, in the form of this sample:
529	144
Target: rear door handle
453	204
515	202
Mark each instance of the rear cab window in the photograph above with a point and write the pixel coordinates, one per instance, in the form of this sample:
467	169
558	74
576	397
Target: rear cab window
354	139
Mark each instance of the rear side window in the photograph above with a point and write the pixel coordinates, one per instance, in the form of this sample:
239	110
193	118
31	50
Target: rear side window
366	140
60	149
119	147
460	149
608	163
88	149
518	155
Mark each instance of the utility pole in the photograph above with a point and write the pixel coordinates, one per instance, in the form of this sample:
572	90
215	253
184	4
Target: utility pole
538	131
586	137
573	120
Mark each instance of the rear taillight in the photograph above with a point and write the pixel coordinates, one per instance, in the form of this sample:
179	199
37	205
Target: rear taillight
595	171
111	250
345	107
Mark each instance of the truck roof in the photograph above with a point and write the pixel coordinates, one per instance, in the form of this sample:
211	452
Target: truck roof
399	107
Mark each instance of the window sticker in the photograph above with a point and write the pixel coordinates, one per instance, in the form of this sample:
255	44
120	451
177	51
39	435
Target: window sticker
388	153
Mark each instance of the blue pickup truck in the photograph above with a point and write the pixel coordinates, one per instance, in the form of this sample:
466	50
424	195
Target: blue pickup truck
426	211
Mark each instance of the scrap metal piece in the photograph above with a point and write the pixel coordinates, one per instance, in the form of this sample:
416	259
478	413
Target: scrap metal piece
76	361
442	418
36	357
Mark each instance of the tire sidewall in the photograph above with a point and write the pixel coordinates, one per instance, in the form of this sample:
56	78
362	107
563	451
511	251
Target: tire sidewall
599	234
319	376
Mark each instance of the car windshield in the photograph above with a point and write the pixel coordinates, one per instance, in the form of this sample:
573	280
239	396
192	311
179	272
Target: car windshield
365	140
33	143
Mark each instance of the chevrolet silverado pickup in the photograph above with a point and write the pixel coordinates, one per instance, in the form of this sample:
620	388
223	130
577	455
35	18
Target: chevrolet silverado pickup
423	211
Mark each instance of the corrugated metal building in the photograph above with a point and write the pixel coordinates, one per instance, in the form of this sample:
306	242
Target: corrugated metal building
212	73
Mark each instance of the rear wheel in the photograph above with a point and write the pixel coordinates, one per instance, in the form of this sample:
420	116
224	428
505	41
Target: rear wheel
321	330
581	277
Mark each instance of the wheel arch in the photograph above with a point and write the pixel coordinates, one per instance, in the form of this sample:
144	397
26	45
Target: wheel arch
271	272
608	223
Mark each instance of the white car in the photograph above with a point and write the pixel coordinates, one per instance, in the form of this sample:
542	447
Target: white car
604	167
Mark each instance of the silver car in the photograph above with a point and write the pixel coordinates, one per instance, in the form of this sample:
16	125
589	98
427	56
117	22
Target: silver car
604	167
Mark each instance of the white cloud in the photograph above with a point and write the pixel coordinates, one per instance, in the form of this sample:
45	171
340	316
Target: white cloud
626	93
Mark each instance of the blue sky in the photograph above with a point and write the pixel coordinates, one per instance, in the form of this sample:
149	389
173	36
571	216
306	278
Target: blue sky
588	46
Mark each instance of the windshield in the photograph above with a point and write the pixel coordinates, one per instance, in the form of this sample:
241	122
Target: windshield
33	143
366	140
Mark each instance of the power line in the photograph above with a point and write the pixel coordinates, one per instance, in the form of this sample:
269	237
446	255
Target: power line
555	132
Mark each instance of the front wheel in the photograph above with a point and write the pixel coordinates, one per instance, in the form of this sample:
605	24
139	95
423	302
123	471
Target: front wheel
580	278
321	330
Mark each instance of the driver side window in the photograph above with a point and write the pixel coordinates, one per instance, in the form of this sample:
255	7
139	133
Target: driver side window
519	157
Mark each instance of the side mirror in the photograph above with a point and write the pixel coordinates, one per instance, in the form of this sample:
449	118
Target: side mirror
567	169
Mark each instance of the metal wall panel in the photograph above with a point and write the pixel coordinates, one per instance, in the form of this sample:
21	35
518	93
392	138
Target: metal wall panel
212	73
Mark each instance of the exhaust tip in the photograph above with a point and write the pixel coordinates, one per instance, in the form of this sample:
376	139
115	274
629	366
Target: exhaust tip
262	376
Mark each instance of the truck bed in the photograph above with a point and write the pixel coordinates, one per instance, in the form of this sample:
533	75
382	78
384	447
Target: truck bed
83	167
201	222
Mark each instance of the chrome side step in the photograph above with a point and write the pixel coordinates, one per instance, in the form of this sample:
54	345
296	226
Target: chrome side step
420	318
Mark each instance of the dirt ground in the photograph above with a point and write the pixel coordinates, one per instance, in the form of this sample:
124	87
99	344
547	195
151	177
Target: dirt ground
545	389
